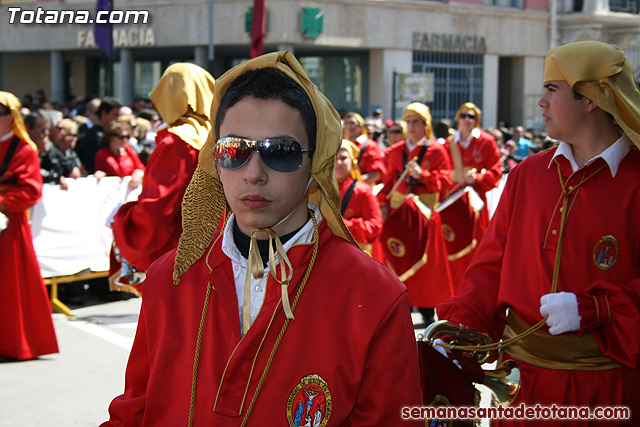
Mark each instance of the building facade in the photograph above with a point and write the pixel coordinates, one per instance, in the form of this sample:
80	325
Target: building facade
361	53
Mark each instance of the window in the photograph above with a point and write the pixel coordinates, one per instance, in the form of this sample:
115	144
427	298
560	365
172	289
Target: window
458	78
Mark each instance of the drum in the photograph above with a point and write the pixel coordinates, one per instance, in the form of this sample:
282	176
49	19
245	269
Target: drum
459	212
404	236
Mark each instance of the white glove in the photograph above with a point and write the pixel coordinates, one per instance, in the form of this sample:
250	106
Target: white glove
112	215
562	309
444	351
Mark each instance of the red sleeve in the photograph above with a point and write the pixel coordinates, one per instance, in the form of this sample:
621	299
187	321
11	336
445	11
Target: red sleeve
25	167
373	159
492	166
366	223
394	331
610	311
137	163
147	228
127	410
436	170
393	161
106	162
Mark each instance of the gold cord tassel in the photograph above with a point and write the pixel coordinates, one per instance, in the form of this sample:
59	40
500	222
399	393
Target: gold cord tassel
256	269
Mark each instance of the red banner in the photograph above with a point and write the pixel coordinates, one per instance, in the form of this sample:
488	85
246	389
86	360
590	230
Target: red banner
258	27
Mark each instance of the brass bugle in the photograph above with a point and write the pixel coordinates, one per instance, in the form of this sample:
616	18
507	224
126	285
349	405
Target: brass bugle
461	336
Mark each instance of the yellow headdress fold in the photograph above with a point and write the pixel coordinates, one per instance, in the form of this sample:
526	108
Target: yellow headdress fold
204	200
602	73
418	108
183	98
10	101
354	153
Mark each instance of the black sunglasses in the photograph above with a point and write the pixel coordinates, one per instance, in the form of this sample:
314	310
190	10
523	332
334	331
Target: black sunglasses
467	116
5	113
395	131
280	154
122	137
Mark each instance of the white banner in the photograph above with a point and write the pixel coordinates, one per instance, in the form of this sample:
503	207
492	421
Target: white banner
415	87
68	226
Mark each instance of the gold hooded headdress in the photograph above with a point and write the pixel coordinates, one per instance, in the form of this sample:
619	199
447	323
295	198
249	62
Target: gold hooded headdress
10	101
419	109
602	73
204	201
183	98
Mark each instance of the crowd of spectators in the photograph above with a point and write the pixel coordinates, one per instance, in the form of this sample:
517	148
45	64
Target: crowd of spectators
94	136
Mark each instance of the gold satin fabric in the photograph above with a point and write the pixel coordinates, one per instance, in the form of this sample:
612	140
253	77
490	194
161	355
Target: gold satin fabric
563	352
183	98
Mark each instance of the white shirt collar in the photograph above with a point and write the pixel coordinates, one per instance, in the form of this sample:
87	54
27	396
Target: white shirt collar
411	146
613	155
475	133
6	136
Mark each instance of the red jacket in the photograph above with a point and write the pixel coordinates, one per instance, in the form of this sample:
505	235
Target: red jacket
436	175
362	216
372	160
118	165
351	344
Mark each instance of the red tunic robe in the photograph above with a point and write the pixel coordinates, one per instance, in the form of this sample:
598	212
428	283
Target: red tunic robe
118	165
372	160
362	215
25	314
352	329
482	154
513	268
431	283
146	229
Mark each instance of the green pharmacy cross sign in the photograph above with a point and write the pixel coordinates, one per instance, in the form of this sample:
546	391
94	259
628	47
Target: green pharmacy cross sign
312	23
248	20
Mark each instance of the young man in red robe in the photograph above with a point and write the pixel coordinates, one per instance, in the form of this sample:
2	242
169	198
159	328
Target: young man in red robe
476	170
25	313
561	254
413	246
147	228
278	318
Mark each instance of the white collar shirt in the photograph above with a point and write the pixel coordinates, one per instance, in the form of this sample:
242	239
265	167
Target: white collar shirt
613	155
240	264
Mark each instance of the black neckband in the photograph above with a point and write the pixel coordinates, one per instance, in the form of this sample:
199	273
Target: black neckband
243	241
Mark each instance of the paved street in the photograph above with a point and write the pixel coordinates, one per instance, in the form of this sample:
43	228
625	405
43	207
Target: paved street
74	388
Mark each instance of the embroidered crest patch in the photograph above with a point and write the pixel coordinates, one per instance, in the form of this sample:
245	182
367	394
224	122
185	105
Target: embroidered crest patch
477	156
309	403
396	247
606	252
449	234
